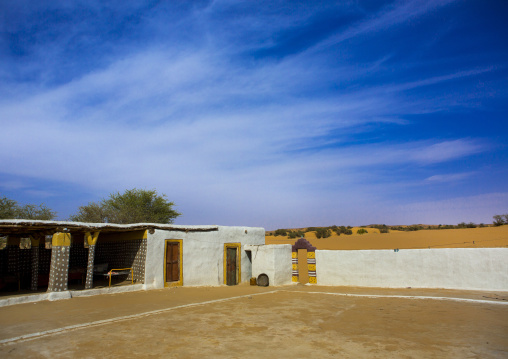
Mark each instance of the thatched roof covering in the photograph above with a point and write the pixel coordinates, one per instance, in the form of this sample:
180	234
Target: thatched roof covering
27	226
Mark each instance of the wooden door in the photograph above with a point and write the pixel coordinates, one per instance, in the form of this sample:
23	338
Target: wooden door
231	266
172	261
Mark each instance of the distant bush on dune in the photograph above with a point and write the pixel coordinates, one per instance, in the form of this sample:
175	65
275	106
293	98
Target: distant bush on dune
466	225
342	230
280	232
500	219
296	234
383	228
323	232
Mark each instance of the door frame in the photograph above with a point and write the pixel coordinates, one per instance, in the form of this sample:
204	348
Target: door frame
180	262
238	247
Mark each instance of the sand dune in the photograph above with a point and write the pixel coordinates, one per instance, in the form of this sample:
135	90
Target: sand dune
486	237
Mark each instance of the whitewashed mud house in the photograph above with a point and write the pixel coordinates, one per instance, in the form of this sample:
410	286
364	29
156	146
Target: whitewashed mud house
58	260
55	257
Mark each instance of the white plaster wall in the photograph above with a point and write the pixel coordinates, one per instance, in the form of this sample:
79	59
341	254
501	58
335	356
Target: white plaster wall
273	260
452	268
203	254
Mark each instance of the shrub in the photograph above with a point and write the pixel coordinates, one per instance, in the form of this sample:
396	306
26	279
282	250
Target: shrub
414	227
498	220
280	232
323	232
296	234
341	230
383	228
362	231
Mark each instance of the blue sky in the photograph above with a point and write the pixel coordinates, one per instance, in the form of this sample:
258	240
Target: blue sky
275	114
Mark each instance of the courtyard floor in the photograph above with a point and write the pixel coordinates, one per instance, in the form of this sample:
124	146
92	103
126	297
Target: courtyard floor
261	322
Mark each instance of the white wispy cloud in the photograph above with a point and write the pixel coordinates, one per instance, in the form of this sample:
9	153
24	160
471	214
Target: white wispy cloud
453	177
401	12
263	140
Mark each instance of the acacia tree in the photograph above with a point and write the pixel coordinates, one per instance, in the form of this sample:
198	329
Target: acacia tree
498	219
91	213
133	206
10	209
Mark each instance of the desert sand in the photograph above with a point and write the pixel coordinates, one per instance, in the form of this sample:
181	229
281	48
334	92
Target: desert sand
486	237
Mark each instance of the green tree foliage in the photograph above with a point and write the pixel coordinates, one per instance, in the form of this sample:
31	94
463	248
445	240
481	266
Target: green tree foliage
362	231
91	213
10	209
133	206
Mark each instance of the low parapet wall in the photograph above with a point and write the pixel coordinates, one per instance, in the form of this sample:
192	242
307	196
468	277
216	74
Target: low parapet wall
452	268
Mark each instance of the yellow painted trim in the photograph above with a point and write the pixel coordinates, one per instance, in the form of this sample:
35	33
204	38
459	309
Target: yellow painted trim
311	254
294	255
294	278
35	239
312	280
238	261
180	245
90	238
311	267
61	239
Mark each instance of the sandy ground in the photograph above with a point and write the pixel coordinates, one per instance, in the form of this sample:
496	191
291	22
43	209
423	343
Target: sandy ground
274	322
443	238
